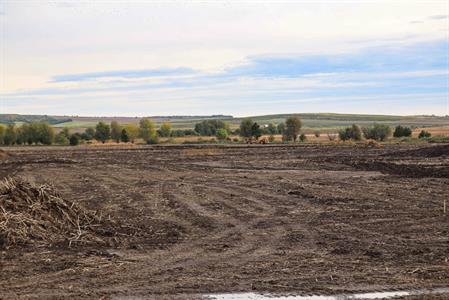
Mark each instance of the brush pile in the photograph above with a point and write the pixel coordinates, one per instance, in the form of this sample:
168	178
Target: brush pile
36	214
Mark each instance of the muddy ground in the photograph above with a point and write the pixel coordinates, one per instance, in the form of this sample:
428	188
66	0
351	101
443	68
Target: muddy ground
204	219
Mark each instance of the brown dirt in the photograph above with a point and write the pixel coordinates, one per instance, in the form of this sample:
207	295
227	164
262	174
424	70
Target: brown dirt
3	154
199	219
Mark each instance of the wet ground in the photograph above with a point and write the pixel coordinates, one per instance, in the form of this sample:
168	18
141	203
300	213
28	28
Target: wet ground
212	219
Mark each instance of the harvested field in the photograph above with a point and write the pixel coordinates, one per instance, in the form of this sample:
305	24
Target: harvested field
178	221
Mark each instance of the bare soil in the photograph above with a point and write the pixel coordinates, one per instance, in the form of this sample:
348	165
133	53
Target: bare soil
189	220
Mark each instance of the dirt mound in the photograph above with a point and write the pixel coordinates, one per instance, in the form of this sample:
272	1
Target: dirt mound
433	151
32	214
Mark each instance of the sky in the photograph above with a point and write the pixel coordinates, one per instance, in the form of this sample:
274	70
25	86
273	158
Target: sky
241	58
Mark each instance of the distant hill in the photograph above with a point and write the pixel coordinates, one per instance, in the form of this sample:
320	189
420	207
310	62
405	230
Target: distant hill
310	120
16	118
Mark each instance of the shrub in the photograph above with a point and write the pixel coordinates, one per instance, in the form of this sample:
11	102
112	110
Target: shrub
378	132
222	134
236	140
124	137
424	134
302	137
317	134
66	132
61	139
153	141
190	132
165	130
89	134
401	131
351	133
271	138
177	133
74	140
210	127
281	128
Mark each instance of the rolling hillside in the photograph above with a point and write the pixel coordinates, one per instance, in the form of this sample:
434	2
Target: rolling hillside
310	120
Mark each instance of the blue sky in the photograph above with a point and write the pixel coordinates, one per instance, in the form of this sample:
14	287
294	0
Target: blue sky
239	58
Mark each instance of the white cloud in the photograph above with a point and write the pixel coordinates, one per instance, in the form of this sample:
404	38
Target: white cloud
42	39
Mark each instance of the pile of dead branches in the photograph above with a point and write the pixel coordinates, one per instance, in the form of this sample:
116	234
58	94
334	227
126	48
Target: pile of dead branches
37	214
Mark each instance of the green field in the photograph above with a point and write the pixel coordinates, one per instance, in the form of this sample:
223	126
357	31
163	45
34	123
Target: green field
76	124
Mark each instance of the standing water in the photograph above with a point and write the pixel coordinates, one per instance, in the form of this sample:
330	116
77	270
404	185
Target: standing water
373	295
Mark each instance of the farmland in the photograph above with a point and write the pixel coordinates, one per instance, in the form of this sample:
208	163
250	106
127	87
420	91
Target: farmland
311	121
188	220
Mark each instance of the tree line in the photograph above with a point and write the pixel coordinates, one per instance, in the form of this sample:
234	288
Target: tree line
249	131
377	132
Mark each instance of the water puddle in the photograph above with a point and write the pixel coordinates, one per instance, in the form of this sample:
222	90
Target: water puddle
372	295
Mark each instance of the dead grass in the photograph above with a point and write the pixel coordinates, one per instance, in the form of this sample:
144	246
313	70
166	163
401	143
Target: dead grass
435	131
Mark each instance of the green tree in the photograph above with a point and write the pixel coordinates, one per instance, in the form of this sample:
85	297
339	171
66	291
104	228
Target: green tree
133	132
402	131
281	128
302	137
74	140
10	135
351	133
165	129
222	134
116	131
46	133
246	129
271	129
124	137
66	132
29	133
24	134
89	134
2	134
102	132
292	128
61	139
210	127
249	130
256	132
147	131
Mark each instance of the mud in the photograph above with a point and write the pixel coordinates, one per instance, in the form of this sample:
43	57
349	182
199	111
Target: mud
216	219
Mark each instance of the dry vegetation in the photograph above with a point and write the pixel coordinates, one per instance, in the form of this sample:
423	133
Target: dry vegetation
435	131
31	214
